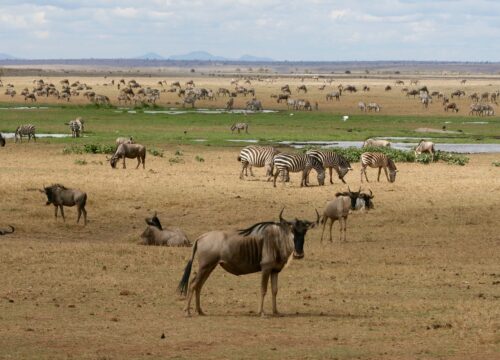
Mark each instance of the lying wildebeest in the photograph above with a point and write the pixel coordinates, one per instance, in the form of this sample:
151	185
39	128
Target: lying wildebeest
338	209
4	231
130	151
60	196
155	234
124	140
376	143
264	247
425	146
2	140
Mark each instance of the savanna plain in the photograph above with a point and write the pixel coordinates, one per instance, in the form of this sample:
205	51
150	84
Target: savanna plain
418	276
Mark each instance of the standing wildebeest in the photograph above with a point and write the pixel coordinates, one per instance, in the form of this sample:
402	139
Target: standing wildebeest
412	92
130	151
458	93
333	94
451	106
282	97
254	105
350	88
239	127
338	209
2	140
124	140
376	143
302	88
378	160
60	196
230	104
5	232
425	146
264	247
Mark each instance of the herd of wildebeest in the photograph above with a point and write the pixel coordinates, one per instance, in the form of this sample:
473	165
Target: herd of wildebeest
267	246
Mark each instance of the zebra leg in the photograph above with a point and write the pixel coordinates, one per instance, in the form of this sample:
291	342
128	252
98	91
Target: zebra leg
263	290
386	174
251	171
243	168
274	289
275	176
379	171
330	172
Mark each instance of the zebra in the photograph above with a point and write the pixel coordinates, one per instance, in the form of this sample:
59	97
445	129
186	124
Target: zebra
287	163
258	156
380	160
239	127
75	127
25	130
330	160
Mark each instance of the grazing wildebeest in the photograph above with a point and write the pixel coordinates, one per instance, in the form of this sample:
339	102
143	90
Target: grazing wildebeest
458	93
239	127
302	88
264	247
165	237
230	104
338	209
130	151
425	146
412	92
388	88
378	160
254	105
282	97
5	231
60	196
350	88
124	140
2	140
451	106
399	82
362	106
376	143
333	94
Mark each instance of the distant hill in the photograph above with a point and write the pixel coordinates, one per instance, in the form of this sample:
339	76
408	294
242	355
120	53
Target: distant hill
7	57
150	56
247	57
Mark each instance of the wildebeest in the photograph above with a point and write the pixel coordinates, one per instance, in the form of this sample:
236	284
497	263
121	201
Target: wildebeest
2	140
362	106
254	105
130	151
60	196
378	160
264	247
333	94
452	106
338	209
376	143
5	231
124	140
425	146
302	88
155	234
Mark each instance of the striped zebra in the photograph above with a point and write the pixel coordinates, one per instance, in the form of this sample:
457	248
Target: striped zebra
25	130
239	127
380	160
258	156
287	163
332	160
75	127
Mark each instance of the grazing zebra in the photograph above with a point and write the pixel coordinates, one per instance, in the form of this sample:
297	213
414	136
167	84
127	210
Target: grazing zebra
258	156
330	160
239	127
380	160
25	130
287	163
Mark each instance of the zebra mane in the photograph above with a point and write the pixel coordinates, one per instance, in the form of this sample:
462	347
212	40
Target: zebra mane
391	164
256	228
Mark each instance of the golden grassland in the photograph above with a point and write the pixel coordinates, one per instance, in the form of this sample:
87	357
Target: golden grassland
418	277
393	102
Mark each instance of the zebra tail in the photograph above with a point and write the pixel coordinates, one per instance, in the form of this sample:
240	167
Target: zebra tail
183	284
239	158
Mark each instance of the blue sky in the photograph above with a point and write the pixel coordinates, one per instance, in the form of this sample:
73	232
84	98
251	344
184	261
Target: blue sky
467	30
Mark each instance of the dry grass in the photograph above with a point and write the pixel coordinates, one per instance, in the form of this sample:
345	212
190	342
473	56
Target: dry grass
393	102
417	278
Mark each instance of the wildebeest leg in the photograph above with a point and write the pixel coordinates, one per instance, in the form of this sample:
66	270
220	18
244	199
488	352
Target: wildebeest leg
331	225
56	211
274	289
124	163
345	227
324	226
263	290
203	274
84	216
144	162
138	162
330	171
62	213
379	171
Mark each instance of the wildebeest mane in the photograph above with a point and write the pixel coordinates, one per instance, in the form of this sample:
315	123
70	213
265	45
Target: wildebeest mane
258	227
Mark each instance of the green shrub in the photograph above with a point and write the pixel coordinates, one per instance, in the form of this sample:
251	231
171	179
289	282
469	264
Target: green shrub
80	162
73	149
155	152
199	158
496	163
176	160
178	153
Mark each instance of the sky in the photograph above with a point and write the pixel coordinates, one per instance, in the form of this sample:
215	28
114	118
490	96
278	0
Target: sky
294	30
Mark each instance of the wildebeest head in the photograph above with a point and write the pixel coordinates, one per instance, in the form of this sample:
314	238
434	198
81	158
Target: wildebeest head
113	161
367	198
154	221
299	229
354	195
51	192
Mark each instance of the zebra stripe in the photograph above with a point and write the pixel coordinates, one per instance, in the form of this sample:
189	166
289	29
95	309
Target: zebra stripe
378	160
287	163
258	156
239	127
25	130
330	160
75	128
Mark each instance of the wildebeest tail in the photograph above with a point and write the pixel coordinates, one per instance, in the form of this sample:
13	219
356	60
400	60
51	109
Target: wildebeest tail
183	284
323	219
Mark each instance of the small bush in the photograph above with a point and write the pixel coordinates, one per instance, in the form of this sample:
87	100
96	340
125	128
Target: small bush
72	150
156	152
199	158
178	153
80	162
496	163
176	160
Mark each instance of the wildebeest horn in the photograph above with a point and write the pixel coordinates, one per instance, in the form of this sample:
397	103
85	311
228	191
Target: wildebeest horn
281	215
348	188
317	216
371	194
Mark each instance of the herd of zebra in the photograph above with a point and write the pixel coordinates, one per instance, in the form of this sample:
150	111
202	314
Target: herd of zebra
76	128
281	164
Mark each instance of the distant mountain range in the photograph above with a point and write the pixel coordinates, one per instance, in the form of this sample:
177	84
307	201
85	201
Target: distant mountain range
7	57
201	56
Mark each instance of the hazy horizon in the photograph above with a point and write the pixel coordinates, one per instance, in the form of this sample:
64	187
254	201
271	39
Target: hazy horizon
315	30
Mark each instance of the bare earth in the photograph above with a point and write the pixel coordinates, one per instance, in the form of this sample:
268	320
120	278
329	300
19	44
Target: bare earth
418	277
